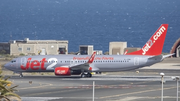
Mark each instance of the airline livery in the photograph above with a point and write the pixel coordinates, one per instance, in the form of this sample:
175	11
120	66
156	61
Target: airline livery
66	65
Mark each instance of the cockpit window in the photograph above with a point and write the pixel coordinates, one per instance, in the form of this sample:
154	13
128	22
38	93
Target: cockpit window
13	61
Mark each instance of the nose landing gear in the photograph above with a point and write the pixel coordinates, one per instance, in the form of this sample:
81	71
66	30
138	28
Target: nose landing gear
21	75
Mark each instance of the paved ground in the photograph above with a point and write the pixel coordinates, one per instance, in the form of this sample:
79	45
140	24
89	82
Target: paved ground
108	87
118	86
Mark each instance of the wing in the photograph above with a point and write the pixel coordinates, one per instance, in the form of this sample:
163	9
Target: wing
84	66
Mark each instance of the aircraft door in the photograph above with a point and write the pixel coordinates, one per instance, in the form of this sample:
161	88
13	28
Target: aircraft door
136	61
23	61
16	64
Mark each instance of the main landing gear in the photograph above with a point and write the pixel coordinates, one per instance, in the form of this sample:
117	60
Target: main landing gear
86	74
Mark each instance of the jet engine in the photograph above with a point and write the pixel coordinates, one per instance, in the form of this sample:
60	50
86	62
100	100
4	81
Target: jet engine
62	71
65	71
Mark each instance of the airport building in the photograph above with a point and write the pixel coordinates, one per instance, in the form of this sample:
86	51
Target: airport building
117	48
35	47
54	47
86	49
99	52
176	48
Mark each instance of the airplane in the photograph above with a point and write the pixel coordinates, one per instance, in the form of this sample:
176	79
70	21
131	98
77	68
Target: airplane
83	65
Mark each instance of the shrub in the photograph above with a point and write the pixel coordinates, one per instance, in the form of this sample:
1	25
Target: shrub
6	91
22	54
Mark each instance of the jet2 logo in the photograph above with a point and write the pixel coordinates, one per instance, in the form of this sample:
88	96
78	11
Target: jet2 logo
36	65
147	47
153	40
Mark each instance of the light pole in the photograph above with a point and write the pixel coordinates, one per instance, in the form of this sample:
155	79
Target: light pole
162	81
177	80
93	90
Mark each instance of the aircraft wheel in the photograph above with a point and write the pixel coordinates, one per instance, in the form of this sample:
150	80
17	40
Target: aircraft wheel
89	75
83	75
21	75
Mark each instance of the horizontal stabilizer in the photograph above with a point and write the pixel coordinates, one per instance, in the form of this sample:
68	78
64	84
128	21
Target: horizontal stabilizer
158	57
165	56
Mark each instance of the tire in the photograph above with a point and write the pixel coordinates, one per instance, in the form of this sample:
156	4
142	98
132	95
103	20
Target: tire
20	75
83	75
89	75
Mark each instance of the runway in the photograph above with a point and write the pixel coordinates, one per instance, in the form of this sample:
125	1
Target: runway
136	85
108	87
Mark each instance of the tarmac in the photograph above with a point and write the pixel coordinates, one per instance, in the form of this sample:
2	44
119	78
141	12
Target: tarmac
136	85
107	88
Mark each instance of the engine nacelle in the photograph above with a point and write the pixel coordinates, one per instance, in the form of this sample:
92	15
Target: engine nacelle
62	71
76	72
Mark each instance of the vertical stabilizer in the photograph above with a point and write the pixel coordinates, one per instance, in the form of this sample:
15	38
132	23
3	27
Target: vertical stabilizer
155	44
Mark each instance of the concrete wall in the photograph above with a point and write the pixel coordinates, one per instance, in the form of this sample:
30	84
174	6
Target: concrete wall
36	49
90	50
131	49
117	47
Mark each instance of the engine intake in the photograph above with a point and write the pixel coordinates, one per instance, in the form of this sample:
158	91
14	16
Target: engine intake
62	71
65	71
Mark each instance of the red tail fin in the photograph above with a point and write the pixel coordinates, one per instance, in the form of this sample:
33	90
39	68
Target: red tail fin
155	44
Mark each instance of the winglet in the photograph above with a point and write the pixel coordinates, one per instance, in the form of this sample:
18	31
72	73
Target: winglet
91	59
125	52
155	44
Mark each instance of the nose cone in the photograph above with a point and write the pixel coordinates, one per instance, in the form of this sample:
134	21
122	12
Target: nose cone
6	65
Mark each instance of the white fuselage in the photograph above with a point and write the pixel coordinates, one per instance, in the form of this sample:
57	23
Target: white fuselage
102	63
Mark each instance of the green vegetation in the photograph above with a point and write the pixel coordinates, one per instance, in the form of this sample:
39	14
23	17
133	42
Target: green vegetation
73	53
22	54
2	52
7	57
106	53
6	91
